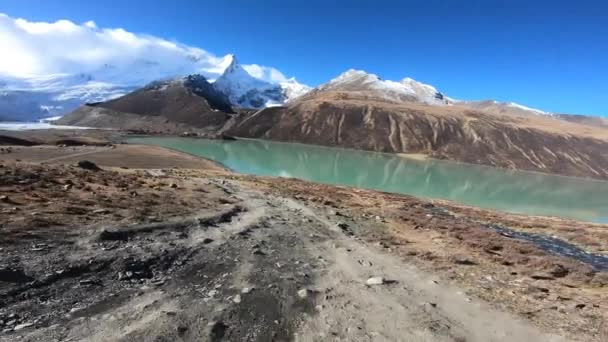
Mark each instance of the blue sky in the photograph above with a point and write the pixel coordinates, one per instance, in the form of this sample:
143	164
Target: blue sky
552	55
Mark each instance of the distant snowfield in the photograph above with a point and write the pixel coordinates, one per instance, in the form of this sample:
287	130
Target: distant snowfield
26	126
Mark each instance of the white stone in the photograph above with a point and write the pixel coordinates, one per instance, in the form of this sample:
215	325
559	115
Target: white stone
375	281
303	293
23	326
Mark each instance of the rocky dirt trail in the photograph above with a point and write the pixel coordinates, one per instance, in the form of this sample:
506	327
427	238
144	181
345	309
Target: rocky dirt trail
369	295
262	268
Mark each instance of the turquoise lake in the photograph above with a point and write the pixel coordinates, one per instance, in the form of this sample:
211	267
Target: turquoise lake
510	191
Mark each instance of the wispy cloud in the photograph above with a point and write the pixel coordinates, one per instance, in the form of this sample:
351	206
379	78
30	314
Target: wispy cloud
34	49
265	73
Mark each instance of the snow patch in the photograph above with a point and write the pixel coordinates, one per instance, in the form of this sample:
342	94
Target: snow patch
406	90
26	126
518	106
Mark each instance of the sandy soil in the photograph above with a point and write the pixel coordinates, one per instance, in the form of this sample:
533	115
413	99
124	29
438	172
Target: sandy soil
65	136
193	253
129	156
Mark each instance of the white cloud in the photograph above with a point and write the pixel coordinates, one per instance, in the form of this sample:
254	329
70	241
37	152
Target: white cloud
265	73
90	24
35	49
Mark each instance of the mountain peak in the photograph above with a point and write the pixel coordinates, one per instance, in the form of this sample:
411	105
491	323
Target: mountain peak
413	82
198	78
352	80
408	89
351	74
245	90
236	76
423	90
234	64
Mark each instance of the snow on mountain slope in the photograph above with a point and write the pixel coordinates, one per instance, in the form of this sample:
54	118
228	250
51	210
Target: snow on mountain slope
528	109
497	107
292	89
406	90
426	93
35	98
247	91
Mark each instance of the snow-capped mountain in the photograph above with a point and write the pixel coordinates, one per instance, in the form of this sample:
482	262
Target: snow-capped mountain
247	91
36	98
372	85
410	90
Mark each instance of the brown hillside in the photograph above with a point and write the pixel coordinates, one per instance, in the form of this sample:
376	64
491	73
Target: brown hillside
535	143
160	106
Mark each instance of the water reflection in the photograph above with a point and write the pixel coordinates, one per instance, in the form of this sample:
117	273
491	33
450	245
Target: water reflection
520	192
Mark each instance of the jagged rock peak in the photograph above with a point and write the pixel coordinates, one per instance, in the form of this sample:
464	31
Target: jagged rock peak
233	65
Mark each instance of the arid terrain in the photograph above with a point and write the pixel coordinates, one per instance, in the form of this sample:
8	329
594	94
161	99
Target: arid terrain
145	244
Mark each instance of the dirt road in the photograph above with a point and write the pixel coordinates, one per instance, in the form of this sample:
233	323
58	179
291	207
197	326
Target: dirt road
258	268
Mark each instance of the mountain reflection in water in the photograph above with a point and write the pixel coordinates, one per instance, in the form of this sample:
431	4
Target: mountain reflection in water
511	191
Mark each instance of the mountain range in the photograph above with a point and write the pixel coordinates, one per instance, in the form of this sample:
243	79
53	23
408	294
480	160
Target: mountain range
362	111
356	109
35	98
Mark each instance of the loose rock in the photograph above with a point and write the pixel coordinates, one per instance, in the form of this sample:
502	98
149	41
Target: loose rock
258	251
375	281
464	261
303	293
88	165
23	326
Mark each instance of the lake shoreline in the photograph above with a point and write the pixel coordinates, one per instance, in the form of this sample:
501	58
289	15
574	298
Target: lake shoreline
512	183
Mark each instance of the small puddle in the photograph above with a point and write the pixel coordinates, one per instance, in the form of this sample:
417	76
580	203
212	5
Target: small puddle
556	246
